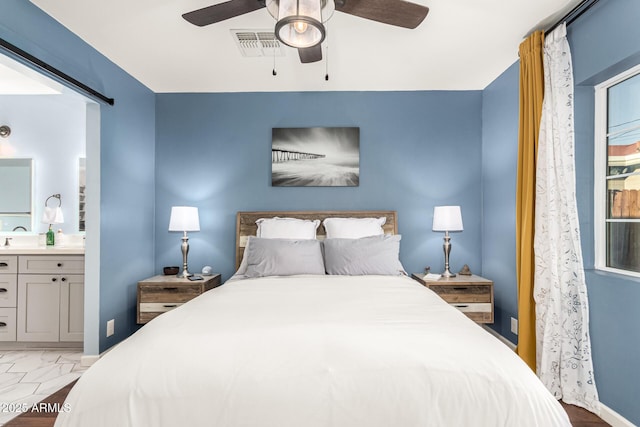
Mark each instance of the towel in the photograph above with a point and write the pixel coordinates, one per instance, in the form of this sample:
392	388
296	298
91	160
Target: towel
52	215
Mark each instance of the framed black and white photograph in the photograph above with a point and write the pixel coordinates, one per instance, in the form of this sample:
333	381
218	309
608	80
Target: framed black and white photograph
315	157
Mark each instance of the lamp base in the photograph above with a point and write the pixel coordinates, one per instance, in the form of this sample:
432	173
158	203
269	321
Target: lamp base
447	249
185	274
184	247
447	274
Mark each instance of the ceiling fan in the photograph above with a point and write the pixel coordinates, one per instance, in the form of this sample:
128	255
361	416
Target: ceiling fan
299	22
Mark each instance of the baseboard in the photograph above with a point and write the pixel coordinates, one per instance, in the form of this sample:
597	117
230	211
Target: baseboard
88	360
606	414
612	417
502	339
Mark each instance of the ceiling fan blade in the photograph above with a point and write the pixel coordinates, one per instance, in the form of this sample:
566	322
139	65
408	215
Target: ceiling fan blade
310	54
393	12
220	12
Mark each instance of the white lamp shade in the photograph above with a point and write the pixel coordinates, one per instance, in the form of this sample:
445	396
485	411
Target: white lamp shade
184	218
447	218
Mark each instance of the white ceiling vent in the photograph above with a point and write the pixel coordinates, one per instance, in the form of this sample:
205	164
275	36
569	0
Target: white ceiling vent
257	43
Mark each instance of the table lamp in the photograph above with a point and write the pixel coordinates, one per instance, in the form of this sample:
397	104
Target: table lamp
184	218
447	218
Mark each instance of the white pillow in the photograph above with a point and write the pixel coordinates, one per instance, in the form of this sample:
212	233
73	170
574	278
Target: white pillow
287	228
353	228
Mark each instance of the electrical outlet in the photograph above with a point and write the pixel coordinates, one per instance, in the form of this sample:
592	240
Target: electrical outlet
111	327
514	325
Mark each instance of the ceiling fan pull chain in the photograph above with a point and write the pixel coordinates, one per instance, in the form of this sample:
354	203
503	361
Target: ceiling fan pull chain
326	62
275	43
326	76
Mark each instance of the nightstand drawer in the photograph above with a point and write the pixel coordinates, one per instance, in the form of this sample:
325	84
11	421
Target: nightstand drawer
472	295
168	293
159	294
158	307
463	293
477	312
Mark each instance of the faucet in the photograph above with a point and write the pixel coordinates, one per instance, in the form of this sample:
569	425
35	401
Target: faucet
6	241
16	228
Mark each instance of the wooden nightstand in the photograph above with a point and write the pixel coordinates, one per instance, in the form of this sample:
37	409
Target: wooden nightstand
159	294
473	295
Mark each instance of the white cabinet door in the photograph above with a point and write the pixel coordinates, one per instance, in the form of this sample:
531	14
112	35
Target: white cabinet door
72	307
38	307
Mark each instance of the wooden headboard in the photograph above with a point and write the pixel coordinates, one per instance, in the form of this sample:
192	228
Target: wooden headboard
246	223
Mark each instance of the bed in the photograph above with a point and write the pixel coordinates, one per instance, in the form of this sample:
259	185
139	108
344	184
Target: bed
312	350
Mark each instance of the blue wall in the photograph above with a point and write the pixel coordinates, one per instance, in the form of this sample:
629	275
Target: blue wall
500	161
604	42
417	150
127	159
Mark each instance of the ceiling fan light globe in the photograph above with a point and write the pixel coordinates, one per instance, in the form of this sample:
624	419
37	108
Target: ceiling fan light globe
288	32
327	7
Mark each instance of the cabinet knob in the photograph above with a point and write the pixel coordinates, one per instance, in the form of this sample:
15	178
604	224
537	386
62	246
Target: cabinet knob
59	264
64	279
53	279
2	290
3	324
4	264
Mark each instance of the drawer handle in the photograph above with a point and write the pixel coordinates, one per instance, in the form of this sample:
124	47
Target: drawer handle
173	288
2	290
3	324
460	288
170	305
59	264
4	264
461	305
53	279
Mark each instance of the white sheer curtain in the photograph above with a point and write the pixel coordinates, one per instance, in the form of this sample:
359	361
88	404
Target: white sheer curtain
562	312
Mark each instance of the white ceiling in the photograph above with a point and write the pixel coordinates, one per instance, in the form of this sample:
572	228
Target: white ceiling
461	45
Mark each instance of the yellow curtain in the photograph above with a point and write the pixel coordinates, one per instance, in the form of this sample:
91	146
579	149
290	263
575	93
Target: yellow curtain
531	93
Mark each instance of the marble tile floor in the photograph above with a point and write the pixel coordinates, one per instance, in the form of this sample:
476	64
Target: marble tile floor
29	376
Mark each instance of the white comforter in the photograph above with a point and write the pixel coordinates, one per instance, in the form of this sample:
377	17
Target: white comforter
307	351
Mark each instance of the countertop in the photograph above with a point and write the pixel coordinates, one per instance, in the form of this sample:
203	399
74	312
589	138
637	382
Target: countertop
41	250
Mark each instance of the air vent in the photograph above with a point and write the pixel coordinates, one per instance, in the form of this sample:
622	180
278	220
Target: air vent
257	43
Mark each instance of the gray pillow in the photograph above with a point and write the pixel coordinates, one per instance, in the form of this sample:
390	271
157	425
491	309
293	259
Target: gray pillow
369	255
283	257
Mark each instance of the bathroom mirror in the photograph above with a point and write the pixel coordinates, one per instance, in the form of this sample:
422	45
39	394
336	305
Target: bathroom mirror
16	195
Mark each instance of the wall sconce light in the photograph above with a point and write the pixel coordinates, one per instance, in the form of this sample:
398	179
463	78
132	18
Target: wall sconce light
5	131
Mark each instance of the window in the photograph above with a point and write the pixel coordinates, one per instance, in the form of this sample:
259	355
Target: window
617	174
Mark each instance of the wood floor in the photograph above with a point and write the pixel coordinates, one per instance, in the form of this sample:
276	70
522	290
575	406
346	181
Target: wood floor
579	417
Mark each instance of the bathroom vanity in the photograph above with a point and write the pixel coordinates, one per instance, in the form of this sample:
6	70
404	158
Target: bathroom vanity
41	297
